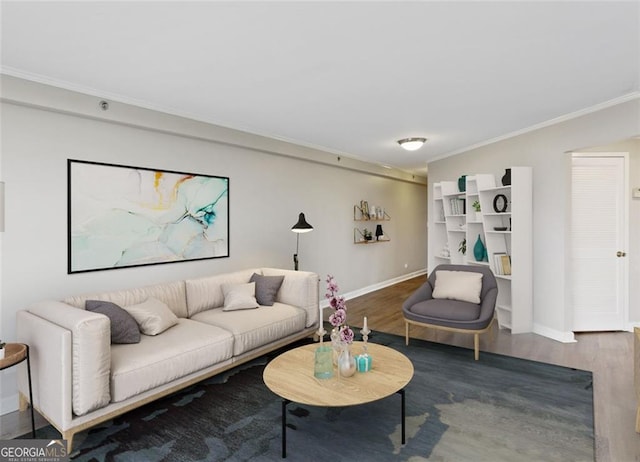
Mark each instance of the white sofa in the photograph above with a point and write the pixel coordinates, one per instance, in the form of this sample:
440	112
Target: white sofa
80	379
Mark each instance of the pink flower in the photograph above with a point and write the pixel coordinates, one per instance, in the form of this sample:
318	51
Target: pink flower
338	318
346	334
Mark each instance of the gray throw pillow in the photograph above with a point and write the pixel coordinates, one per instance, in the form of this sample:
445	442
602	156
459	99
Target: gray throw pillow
124	328
266	288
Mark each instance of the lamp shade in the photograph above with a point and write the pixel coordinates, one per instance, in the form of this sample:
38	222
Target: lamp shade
411	144
301	226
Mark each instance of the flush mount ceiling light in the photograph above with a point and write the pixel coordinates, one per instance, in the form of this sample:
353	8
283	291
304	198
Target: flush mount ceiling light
411	144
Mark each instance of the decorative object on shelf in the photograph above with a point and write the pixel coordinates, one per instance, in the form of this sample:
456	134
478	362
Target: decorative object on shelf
323	362
364	360
364	210
300	227
499	228
479	250
2	345
500	203
476	207
462	183
379	232
367	234
445	250
463	247
411	144
506	179
341	334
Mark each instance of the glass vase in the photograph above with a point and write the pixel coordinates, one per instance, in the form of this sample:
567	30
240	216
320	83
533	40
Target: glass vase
336	343
346	362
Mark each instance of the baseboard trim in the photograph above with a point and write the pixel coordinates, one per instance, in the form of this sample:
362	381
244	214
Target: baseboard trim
9	404
560	336
380	285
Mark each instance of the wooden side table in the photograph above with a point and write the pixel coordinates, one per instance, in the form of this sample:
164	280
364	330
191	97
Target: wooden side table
15	353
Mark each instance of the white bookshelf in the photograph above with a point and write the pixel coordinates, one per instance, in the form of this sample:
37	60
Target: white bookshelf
506	232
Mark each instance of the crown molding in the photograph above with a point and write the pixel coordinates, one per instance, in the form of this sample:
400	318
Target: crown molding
563	118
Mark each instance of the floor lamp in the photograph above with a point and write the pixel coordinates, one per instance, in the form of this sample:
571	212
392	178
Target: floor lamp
300	227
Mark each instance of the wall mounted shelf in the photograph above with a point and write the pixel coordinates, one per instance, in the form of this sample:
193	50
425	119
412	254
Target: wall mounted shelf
375	215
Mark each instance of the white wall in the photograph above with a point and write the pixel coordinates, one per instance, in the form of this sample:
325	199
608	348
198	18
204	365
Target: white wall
548	150
267	191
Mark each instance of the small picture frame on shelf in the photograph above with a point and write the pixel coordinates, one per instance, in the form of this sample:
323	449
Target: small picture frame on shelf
364	208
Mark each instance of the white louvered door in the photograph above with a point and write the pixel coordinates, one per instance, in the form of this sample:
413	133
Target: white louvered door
599	269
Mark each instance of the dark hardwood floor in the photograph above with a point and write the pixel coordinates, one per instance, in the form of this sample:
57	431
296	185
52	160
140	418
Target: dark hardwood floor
609	355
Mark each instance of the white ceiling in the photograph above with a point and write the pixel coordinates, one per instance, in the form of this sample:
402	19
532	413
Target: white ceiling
347	77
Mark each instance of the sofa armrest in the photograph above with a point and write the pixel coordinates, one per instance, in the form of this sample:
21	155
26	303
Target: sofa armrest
299	288
488	305
50	357
90	351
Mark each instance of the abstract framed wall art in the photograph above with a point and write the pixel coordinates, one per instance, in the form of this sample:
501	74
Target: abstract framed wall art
121	216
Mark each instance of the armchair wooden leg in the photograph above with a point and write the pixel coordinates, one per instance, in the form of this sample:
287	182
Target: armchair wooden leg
476	346
638	420
406	335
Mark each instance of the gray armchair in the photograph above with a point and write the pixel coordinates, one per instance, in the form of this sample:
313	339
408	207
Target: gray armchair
453	315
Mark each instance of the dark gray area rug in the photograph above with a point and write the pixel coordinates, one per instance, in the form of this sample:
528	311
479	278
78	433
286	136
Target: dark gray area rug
496	409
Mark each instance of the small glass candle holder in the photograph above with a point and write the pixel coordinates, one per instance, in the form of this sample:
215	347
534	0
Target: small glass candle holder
364	361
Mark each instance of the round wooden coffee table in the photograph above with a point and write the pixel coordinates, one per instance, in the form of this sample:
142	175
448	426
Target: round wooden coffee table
290	376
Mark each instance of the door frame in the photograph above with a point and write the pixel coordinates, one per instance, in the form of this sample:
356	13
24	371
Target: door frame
626	324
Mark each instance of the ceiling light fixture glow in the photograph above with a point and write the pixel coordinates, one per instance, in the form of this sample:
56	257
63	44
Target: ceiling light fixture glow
411	144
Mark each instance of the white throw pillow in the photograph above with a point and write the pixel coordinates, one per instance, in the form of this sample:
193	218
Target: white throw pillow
239	296
153	316
464	286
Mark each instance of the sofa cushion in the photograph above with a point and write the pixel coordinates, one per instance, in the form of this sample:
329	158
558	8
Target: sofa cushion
257	327
171	293
206	293
452	310
153	316
266	288
124	328
239	296
299	288
464	286
185	348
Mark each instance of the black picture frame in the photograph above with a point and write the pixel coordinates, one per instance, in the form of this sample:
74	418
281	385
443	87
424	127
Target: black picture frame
121	216
500	203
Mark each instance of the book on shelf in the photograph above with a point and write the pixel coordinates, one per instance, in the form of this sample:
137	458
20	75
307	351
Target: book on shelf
502	263
457	206
506	265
